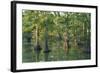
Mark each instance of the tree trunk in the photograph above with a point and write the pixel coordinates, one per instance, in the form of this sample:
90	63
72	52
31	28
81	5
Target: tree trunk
65	42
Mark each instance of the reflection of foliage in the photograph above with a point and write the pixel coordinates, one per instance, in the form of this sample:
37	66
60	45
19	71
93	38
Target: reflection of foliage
75	25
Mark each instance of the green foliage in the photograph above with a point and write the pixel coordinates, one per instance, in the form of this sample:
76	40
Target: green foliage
75	24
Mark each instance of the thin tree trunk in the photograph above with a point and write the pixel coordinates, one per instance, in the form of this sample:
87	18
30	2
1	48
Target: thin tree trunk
37	48
65	42
46	50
